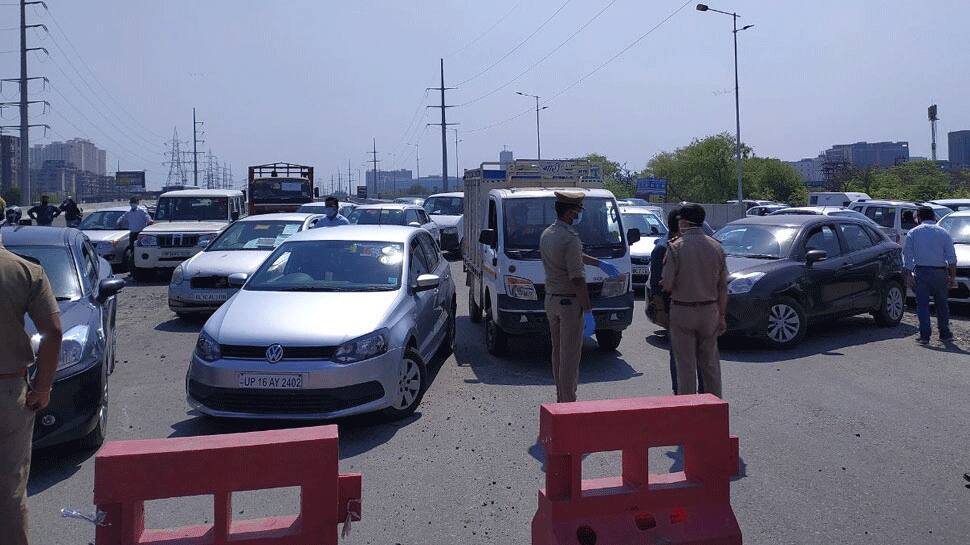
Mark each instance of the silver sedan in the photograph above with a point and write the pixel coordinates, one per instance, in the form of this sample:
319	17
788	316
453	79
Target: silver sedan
335	322
200	284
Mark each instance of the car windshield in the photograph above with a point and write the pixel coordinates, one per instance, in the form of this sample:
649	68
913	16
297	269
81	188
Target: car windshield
59	267
445	206
331	265
377	216
281	189
255	235
192	208
637	202
100	221
648	224
527	218
759	241
958	227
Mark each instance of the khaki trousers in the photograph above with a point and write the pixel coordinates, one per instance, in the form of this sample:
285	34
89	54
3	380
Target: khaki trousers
566	331
16	433
693	339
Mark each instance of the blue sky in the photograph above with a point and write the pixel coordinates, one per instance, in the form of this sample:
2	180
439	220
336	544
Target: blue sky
315	81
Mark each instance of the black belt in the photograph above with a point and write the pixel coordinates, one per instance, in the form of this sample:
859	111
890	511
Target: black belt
931	268
562	295
697	304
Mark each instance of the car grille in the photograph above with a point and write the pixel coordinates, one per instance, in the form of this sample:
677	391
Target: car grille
640	260
594	288
210	282
242	352
177	241
285	401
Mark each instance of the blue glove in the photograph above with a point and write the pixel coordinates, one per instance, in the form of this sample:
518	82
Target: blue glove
589	324
609	269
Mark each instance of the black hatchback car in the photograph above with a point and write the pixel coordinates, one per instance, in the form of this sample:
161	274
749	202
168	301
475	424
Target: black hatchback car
86	293
787	271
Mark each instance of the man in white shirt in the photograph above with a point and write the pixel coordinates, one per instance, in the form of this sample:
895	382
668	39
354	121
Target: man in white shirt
134	220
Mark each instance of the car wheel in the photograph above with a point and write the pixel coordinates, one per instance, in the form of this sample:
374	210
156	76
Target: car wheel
142	275
448	346
893	305
474	311
786	323
95	438
412	382
496	339
608	339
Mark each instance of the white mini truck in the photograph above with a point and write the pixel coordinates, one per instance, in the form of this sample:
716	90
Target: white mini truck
507	207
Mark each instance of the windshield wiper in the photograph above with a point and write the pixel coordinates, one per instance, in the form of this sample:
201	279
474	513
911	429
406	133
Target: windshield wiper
757	256
63	299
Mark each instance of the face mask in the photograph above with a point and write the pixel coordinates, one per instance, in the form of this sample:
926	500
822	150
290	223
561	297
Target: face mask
330	212
134	207
578	219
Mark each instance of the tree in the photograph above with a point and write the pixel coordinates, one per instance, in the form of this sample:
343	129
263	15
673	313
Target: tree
912	181
620	181
703	171
773	180
12	196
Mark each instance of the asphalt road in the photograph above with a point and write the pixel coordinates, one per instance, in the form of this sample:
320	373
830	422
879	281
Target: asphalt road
857	436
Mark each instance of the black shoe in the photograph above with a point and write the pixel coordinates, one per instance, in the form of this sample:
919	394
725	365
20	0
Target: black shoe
946	338
922	342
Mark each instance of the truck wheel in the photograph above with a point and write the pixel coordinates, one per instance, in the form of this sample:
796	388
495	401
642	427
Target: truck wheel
496	339
143	275
474	311
608	339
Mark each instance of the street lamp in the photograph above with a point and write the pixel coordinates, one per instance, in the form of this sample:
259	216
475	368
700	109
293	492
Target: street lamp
538	109
737	99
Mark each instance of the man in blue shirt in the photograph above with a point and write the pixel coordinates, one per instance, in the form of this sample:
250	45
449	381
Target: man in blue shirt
331	216
930	261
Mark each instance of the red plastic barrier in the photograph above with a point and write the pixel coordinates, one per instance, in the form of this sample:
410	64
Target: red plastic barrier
688	507
127	473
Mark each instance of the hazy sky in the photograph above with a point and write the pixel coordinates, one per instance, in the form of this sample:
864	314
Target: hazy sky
314	81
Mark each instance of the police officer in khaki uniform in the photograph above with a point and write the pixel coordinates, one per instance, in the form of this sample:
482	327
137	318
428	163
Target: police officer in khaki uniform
567	299
695	275
24	289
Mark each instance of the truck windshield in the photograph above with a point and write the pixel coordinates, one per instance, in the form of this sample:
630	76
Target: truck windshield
192	209
445	206
527	218
295	190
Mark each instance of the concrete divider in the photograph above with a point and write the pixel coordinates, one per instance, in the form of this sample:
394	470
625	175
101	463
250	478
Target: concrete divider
718	215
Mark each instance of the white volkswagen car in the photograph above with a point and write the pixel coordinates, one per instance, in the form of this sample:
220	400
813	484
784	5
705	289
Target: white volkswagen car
335	322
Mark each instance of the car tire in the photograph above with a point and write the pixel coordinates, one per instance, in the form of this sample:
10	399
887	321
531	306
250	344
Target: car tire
785	323
496	339
143	275
474	311
448	345
412	383
608	339
892	305
95	438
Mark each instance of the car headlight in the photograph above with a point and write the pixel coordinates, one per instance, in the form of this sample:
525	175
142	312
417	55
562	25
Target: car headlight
207	348
106	246
616	286
177	275
147	240
520	288
362	348
72	346
205	240
743	282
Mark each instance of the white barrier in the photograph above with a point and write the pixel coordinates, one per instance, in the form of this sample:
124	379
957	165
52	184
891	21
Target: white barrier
718	215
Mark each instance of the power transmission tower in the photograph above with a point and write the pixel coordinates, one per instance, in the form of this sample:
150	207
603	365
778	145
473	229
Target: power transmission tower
176	170
444	127
350	181
375	160
196	140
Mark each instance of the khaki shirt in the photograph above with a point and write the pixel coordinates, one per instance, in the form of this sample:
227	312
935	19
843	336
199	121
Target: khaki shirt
562	258
24	289
695	269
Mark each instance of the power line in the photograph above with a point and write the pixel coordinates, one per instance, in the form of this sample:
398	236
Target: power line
489	29
517	46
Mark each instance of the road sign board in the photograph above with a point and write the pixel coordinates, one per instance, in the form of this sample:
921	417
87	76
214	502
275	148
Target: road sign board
651	186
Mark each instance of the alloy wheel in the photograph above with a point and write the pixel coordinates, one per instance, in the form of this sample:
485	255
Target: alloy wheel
409	383
895	303
783	323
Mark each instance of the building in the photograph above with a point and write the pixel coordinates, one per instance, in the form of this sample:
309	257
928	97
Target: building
388	182
868	154
433	184
9	162
56	178
810	170
505	157
958	146
77	152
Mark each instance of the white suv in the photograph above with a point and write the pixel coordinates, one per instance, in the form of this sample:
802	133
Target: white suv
186	221
896	217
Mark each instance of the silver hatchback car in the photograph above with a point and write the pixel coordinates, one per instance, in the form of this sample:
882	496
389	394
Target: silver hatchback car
335	322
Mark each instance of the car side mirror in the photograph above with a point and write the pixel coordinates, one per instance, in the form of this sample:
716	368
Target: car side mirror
488	237
426	282
234	216
236	280
108	288
633	236
414	224
814	256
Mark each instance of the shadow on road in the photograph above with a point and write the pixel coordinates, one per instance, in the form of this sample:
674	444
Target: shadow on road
180	325
53	465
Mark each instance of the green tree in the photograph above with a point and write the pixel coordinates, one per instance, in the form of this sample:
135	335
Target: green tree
912	181
616	177
773	180
703	171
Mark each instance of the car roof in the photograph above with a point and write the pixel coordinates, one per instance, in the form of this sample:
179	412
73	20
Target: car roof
959	214
452	194
944	202
32	235
203	193
116	209
897	203
389	205
793	220
279	216
533	192
639	210
815	209
384	233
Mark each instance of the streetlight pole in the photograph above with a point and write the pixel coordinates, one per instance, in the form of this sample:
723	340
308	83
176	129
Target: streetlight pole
457	161
538	109
737	96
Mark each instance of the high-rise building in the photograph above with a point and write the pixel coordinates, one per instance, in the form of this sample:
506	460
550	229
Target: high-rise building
810	170
505	157
958	146
56	178
868	154
77	152
9	161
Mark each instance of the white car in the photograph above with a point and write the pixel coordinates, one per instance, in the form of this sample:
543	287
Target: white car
958	225
898	217
110	242
411	215
652	228
447	210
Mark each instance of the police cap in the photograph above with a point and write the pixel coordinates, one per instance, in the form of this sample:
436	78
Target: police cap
572	198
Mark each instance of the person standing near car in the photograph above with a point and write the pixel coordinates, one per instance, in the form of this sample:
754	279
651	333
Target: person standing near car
135	219
24	289
44	213
695	275
929	262
331	214
72	212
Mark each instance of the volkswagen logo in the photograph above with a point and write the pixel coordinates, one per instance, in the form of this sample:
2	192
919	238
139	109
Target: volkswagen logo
274	353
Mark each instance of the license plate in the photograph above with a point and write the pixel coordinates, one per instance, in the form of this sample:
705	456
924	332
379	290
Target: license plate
264	381
176	254
210	297
641	270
